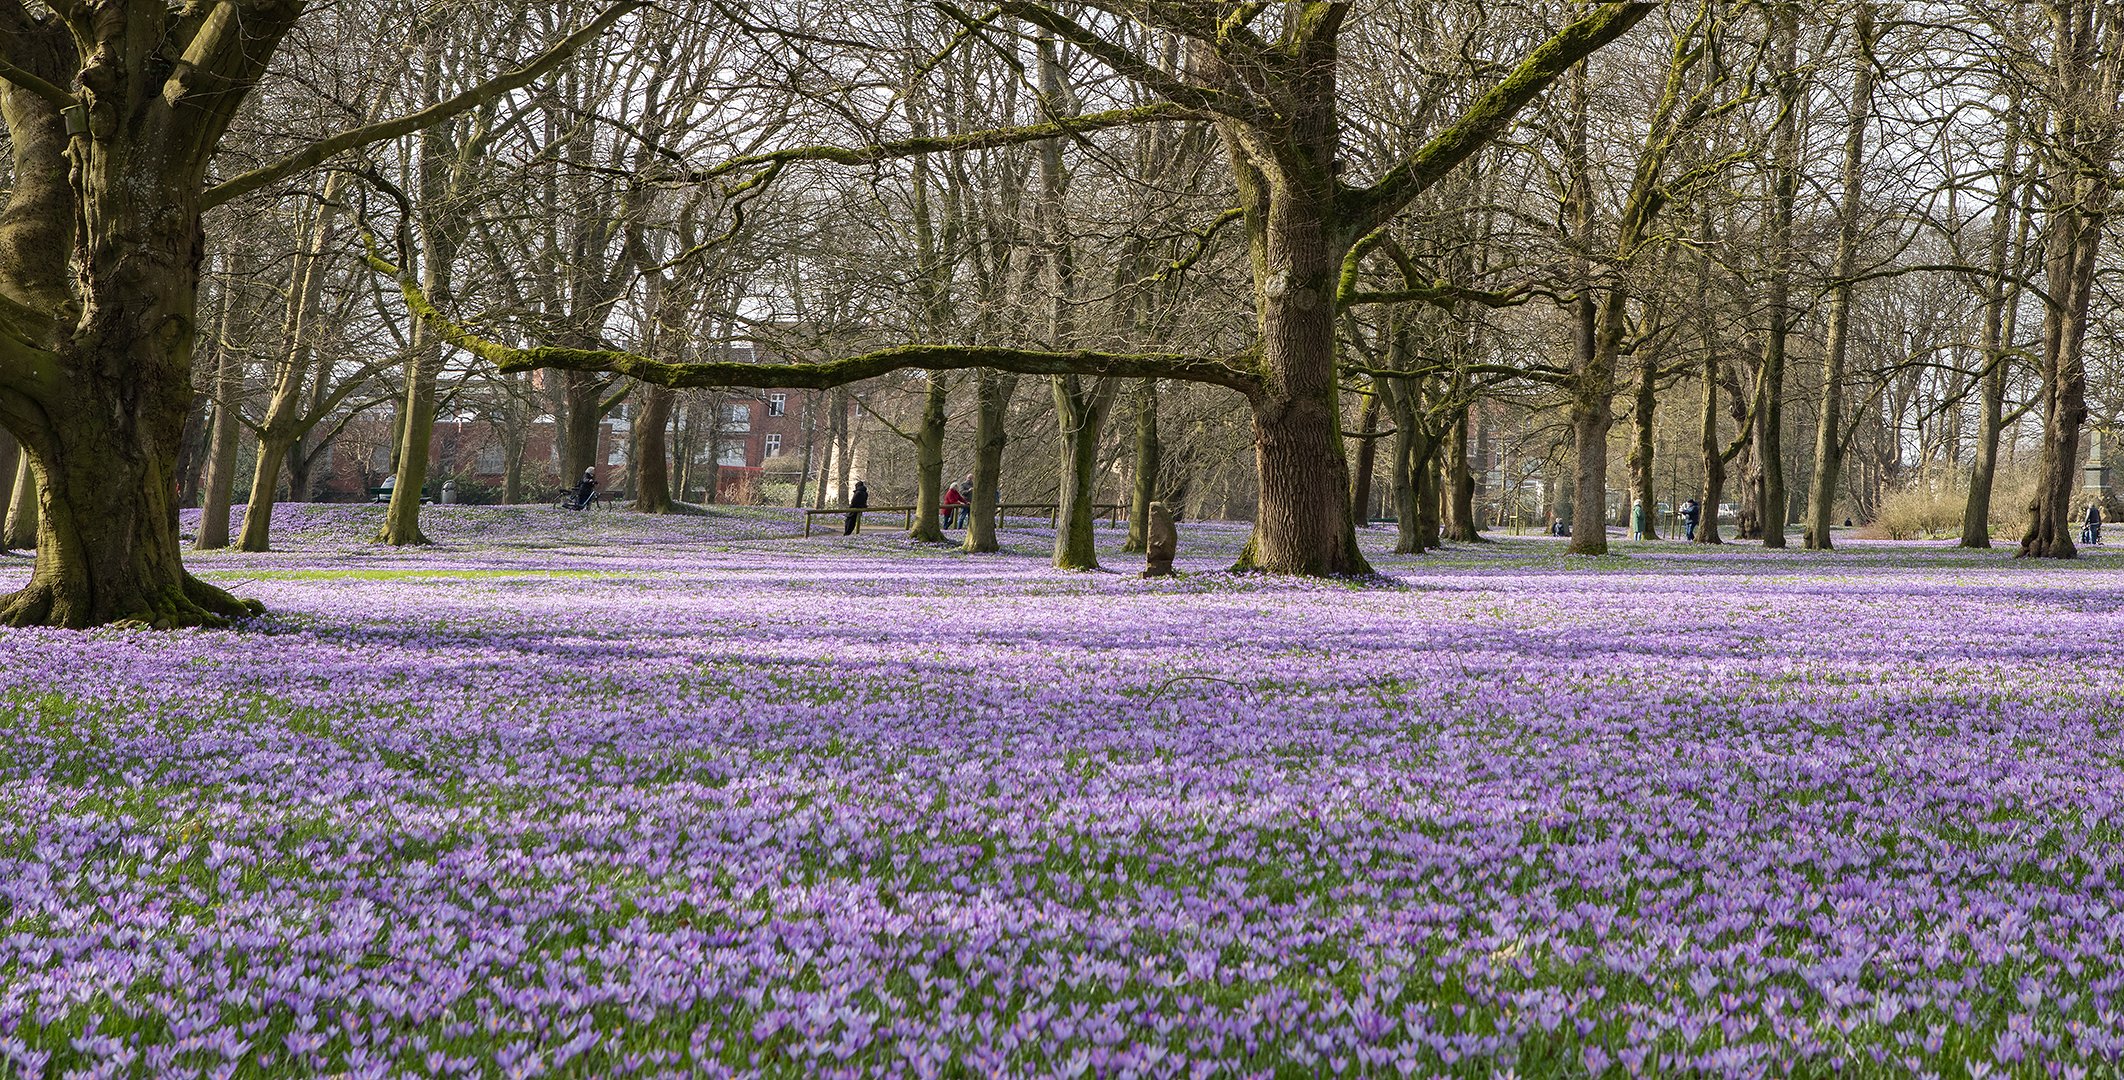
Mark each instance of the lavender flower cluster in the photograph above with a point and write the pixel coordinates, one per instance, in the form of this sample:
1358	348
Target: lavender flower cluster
691	797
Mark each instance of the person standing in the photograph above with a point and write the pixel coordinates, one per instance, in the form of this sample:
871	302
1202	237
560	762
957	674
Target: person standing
2092	534
1690	511
954	508
856	502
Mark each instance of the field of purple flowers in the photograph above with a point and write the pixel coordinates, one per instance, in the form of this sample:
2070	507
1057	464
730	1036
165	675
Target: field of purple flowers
606	795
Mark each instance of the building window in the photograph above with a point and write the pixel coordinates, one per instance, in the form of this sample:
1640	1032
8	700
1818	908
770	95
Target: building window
737	418
777	404
490	460
774	444
733	454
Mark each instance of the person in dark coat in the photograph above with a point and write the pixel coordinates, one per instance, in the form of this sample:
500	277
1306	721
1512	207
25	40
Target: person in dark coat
856	503
2092	534
584	490
1690	512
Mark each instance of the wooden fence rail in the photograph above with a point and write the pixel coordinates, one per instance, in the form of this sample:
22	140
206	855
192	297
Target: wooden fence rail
1114	513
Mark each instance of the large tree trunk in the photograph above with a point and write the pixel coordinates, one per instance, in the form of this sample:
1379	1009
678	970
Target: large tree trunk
2000	304
1770	378
401	525
1828	436
107	547
1082	411
1150	452
10	468
1413	450
280	435
1367	459
220	485
929	463
1304	524
1713	456
991	435
833	468
1643	446
649	457
1591	418
22	506
107	544
2079	192
1461	521
1430	498
582	394
273	448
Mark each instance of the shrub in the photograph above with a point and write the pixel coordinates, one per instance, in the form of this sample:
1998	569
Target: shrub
1930	503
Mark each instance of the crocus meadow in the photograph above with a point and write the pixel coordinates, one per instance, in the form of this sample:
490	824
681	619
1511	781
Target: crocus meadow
607	795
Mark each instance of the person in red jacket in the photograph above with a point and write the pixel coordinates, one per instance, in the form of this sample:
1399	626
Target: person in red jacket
954	509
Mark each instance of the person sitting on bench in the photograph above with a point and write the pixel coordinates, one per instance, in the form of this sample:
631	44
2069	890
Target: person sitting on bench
584	492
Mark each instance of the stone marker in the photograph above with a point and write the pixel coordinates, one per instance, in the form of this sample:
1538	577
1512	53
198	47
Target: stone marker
1163	541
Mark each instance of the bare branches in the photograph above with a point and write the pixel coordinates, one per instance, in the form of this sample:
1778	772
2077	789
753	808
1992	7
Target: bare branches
1232	372
972	140
1488	116
318	152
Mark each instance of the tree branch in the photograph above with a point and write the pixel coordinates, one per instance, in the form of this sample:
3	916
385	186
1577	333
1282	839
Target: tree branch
29	81
318	152
1487	117
972	140
1231	372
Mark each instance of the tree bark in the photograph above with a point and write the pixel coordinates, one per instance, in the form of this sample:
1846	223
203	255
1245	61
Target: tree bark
1769	408
929	463
836	450
1462	523
582	398
14	478
401	527
1643	446
1828	436
1367	459
649	458
22	507
993	391
1082	411
1150	452
1713	456
2083	125
2009	236
216	492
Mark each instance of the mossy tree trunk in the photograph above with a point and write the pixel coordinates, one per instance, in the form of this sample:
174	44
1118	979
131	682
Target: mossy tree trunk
1367	458
1462	522
649	456
929	463
1769	410
218	490
1081	407
21	525
2081	145
993	391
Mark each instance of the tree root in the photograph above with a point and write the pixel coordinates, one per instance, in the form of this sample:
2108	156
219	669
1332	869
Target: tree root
192	604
